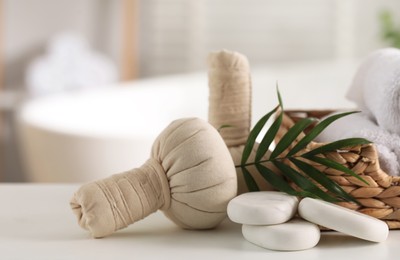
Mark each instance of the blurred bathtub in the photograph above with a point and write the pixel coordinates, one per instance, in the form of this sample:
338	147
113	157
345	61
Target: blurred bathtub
83	136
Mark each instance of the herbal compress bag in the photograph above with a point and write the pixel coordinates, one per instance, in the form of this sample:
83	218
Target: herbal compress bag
190	176
230	89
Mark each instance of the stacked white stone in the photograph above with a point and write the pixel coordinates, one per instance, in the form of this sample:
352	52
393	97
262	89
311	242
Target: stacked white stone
268	219
344	220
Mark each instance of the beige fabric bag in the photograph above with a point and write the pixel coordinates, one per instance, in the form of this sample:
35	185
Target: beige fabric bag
230	104
190	176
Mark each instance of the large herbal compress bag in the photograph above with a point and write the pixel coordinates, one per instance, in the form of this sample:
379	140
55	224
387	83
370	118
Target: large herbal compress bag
190	176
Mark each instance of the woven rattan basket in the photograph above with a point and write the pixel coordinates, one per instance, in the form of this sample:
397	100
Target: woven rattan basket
380	199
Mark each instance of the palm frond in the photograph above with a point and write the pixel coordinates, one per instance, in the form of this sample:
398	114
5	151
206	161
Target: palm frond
308	180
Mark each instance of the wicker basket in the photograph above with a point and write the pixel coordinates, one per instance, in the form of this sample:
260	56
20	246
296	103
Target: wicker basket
380	199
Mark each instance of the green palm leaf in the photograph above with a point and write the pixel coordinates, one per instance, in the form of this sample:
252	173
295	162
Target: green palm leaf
250	182
276	180
308	180
316	131
253	135
303	182
336	166
291	135
223	126
322	179
269	137
272	131
337	145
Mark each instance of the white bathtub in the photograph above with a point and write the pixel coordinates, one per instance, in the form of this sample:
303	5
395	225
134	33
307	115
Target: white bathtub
83	136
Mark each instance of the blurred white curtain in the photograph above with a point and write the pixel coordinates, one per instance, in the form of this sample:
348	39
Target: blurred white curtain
178	34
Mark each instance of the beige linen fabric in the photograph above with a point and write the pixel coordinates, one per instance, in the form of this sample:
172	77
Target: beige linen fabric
190	176
229	83
230	95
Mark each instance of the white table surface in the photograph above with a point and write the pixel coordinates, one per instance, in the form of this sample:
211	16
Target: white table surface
37	223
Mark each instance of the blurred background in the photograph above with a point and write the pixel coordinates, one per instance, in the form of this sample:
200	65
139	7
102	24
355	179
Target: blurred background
72	71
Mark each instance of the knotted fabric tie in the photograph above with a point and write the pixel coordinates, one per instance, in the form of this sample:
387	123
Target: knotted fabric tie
130	196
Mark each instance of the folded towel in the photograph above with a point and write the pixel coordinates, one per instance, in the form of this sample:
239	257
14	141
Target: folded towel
376	91
360	125
376	88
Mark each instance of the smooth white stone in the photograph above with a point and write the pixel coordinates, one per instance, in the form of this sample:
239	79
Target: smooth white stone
262	208
294	235
344	220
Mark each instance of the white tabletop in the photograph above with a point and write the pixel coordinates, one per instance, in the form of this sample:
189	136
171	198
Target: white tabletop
37	223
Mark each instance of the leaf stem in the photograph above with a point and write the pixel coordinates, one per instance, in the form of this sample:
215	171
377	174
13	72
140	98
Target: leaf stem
267	160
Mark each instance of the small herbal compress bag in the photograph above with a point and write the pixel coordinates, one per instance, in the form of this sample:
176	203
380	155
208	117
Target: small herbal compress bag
230	105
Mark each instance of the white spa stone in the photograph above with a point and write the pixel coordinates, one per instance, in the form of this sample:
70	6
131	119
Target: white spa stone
262	208
344	220
294	235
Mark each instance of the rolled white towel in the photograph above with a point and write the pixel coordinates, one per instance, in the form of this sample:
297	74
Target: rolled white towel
376	88
360	125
